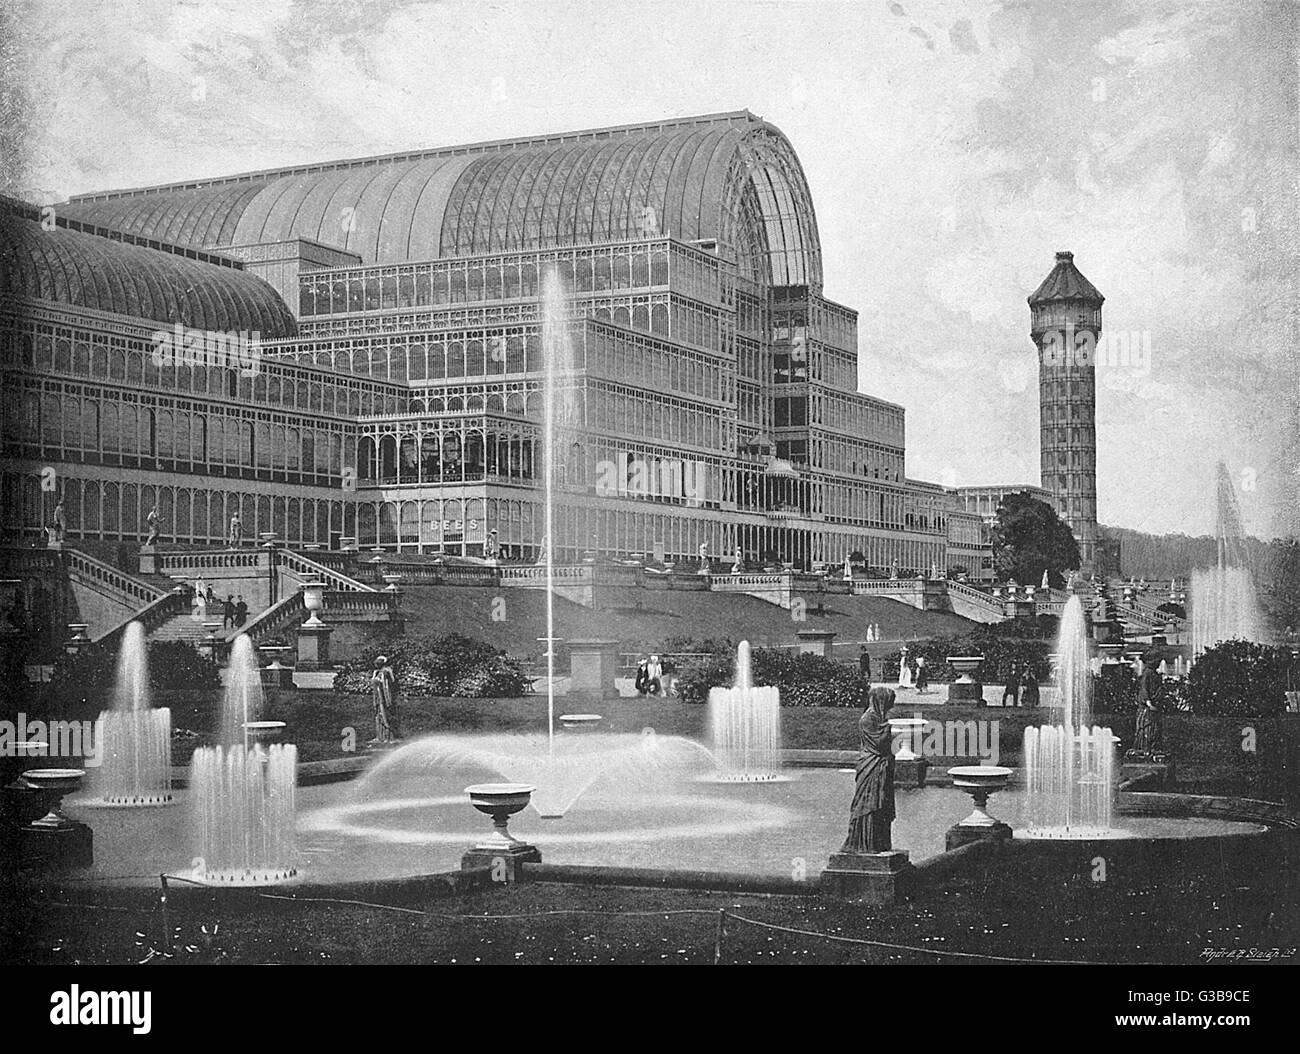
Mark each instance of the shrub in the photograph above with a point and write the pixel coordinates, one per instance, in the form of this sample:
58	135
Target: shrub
1116	691
1239	678
1000	653
803	680
81	685
447	665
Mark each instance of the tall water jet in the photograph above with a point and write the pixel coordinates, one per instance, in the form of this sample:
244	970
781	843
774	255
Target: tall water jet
745	726
557	413
135	739
1070	768
1222	598
243	790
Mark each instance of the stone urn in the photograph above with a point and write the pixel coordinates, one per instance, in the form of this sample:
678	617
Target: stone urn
313	599
905	729
979	781
263	731
55	783
500	801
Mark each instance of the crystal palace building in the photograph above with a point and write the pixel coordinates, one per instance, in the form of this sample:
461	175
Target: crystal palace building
352	349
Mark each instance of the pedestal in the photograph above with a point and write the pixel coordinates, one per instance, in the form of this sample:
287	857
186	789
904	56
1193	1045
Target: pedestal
148	560
866	878
910	772
966	693
277	676
56	848
503	863
593	665
815	641
959	835
1151	774
314	646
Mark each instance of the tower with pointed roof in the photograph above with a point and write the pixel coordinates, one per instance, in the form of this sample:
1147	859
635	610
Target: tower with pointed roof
1065	325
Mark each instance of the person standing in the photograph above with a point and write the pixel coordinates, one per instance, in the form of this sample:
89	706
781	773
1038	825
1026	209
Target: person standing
642	676
228	612
922	674
904	669
1012	688
241	612
383	701
871	816
1029	687
864	664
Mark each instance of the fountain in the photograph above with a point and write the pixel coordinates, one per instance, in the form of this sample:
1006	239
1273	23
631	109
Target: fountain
135	739
1070	768
745	726
558	410
1222	598
244	790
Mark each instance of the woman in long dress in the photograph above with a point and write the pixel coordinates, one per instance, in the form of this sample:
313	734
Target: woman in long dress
904	670
872	813
383	683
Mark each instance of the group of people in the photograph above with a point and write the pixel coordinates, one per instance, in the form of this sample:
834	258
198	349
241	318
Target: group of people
649	676
1021	686
234	609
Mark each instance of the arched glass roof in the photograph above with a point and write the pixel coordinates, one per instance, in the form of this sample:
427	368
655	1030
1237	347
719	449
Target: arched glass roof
86	270
732	178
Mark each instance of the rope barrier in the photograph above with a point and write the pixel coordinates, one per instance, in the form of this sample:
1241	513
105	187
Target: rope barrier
723	916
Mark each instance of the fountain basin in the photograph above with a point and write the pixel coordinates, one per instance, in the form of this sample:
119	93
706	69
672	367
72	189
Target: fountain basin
263	731
56	783
500	801
580	722
63	781
980	781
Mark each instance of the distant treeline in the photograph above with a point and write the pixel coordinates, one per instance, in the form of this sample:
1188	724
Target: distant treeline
1275	565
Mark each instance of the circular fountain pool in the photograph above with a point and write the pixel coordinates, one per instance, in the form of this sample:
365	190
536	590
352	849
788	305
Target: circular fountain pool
416	821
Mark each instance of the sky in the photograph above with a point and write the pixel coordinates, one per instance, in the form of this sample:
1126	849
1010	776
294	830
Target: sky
951	150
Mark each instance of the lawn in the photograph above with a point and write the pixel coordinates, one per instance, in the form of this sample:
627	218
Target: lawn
1171	919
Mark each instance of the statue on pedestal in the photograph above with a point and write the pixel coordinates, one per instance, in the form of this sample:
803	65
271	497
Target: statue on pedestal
383	683
60	521
871	816
1148	731
151	521
739	564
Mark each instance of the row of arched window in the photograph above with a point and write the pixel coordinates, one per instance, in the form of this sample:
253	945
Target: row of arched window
134	364
54	426
473	281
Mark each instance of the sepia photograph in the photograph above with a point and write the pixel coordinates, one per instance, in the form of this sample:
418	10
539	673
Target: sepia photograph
780	482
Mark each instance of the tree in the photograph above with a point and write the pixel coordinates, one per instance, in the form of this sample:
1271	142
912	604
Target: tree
1028	538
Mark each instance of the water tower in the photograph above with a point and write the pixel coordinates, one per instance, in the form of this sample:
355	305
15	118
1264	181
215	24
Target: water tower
1065	314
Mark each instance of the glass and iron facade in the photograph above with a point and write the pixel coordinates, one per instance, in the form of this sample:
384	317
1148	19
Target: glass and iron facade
710	397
